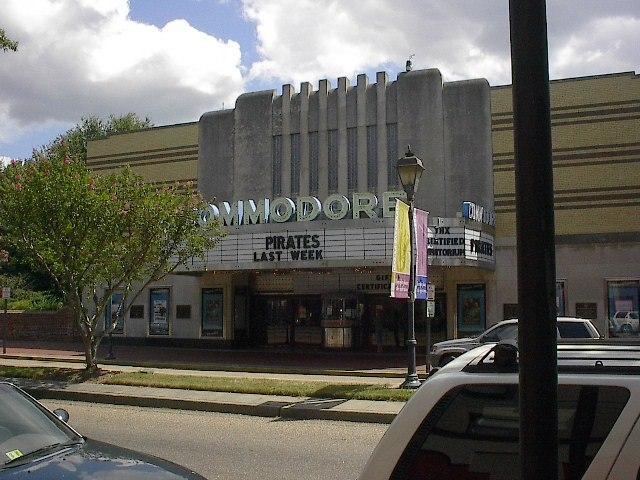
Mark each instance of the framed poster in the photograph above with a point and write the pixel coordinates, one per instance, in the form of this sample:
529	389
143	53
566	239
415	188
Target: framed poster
212	312
472	311
113	315
159	311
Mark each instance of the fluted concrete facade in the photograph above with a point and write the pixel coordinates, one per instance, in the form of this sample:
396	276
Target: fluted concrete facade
447	125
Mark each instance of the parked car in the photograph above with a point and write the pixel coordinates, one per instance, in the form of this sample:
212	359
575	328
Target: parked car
443	352
625	322
463	422
38	444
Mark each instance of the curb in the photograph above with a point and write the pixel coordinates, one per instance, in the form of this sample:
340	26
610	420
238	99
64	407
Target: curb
221	367
298	411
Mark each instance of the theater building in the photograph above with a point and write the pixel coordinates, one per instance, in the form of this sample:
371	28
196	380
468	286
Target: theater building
305	185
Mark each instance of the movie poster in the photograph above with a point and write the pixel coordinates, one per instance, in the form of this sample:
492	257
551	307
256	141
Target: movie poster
159	318
471	308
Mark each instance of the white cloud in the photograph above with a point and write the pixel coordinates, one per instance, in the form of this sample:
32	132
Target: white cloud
304	40
83	57
602	45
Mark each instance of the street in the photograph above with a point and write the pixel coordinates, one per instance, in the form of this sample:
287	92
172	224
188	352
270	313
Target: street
223	446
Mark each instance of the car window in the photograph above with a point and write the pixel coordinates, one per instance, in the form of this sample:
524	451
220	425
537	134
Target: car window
24	427
573	330
504	332
472	433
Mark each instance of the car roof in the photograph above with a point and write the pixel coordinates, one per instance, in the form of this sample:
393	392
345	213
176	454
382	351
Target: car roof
601	357
559	319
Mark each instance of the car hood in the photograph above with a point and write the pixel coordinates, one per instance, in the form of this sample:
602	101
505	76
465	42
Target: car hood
467	342
98	461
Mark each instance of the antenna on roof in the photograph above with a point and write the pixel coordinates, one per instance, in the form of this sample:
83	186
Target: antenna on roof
409	65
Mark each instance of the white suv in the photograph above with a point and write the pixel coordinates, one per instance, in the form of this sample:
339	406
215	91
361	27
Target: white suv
568	327
463	422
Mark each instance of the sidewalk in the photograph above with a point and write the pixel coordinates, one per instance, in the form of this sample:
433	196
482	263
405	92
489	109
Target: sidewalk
244	404
267	360
336	368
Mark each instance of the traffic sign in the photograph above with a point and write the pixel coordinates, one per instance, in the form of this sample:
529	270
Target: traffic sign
6	293
431	291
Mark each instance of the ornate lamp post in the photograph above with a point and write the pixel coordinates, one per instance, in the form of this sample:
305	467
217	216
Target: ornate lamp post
410	169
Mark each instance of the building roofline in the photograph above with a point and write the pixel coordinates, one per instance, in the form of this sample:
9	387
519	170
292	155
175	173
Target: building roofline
155	127
574	79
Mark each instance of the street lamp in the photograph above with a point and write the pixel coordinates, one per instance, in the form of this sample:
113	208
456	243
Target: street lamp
410	169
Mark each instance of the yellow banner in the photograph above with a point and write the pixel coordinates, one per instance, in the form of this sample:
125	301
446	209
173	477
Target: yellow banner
401	241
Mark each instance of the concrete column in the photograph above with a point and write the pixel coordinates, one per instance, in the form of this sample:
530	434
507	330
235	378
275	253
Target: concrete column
420	124
343	85
323	147
215	156
287	93
305	92
252	149
361	90
381	122
467	143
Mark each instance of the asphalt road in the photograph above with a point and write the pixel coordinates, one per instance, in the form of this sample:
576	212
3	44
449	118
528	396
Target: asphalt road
223	446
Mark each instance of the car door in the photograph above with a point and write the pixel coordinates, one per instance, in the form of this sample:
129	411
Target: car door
472	434
627	465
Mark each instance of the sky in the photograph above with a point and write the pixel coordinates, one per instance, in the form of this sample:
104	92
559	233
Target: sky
172	60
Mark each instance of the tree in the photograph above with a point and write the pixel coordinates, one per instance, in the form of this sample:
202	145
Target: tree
6	43
73	143
97	235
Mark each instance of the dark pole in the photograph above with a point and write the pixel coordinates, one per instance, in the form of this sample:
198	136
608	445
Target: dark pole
4	327
412	380
110	355
535	240
427	365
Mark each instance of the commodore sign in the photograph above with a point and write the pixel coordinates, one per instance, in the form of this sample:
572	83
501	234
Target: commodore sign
303	209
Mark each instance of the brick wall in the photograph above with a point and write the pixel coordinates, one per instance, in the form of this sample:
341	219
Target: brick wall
39	325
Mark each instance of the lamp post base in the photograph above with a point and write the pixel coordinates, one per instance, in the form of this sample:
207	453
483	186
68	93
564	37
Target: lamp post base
411	382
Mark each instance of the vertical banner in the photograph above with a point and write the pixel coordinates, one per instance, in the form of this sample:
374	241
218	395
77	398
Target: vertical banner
420	219
401	263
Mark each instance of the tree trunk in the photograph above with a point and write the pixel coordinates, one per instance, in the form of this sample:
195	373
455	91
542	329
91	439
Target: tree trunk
90	354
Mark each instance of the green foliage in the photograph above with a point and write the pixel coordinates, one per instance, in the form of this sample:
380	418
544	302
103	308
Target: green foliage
42	373
24	297
262	386
73	143
6	43
95	235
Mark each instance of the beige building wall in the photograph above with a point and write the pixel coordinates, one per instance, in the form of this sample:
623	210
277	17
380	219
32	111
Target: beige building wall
596	155
161	155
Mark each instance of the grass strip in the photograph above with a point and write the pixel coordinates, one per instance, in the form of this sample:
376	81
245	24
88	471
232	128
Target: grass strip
42	373
260	386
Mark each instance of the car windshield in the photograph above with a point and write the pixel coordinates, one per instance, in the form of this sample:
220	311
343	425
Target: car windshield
26	428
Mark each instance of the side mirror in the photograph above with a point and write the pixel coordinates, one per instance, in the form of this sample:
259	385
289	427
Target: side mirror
62	414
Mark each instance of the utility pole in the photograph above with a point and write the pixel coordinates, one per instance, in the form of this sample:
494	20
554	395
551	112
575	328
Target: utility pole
537	343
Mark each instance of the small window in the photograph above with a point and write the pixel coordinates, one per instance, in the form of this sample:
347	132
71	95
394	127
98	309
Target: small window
473	432
623	302
573	330
183	311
